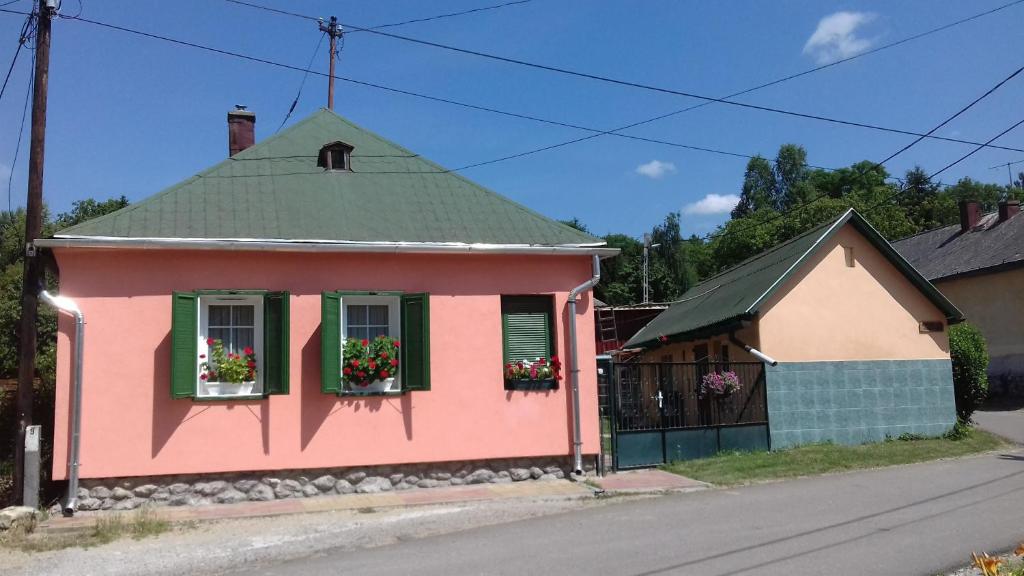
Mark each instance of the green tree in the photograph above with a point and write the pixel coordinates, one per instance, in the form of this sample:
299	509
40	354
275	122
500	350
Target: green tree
82	210
969	353
758	188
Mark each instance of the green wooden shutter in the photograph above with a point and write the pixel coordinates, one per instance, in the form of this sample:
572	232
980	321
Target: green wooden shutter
330	343
275	342
526	336
184	344
415	341
526	327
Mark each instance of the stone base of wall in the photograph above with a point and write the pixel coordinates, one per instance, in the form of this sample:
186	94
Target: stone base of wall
858	401
199	490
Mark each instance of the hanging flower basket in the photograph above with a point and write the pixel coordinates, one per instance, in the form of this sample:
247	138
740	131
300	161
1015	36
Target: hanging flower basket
719	385
370	366
226	373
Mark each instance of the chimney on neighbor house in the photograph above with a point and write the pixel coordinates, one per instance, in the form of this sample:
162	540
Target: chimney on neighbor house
970	214
241	129
1007	209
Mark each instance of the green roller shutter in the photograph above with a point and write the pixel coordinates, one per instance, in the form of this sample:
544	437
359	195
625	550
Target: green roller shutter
330	343
415	341
184	344
275	343
526	327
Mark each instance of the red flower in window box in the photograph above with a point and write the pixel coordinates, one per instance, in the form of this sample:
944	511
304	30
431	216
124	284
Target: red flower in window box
539	369
374	361
224	366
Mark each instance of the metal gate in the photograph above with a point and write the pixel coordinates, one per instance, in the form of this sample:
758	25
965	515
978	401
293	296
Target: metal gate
659	413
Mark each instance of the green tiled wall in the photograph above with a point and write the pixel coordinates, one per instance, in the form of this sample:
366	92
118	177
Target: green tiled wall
858	401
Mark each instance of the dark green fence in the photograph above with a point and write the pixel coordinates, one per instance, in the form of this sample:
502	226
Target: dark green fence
660	412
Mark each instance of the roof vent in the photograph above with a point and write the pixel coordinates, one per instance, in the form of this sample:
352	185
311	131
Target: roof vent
1007	209
335	156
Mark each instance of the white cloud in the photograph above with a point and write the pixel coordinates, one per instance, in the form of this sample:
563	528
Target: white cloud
836	37
713	204
656	169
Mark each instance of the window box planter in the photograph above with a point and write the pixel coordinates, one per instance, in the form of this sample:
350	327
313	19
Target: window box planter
527	384
227	388
376	387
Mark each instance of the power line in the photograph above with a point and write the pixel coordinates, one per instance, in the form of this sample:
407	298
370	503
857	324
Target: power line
877	165
419	95
706	99
393	24
302	84
633	84
441	99
615	131
21	130
452	14
23	36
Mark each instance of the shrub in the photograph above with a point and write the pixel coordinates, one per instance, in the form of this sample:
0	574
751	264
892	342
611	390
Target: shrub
970	363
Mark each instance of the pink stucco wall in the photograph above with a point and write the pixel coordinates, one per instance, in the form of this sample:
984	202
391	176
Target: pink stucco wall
132	427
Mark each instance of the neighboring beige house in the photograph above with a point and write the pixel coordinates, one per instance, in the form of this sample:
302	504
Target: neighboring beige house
979	265
856	339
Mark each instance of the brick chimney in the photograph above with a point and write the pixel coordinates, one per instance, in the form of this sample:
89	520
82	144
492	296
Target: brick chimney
1007	209
970	214
241	129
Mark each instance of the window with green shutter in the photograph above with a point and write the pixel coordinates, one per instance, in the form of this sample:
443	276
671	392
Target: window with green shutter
527	325
229	344
364	316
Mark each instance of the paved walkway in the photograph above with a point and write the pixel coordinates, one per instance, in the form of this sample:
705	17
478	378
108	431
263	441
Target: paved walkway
913	520
649	480
447	495
1003	420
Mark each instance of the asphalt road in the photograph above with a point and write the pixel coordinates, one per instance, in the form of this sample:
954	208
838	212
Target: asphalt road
916	520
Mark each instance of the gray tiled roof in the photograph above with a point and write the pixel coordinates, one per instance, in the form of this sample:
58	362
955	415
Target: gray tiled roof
946	252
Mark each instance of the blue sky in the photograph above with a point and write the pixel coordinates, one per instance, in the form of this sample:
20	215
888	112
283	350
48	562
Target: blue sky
130	115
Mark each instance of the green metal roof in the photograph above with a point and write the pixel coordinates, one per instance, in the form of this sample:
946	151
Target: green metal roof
274	190
722	302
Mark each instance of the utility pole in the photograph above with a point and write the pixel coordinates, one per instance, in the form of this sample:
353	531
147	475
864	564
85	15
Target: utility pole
334	31
33	279
646	279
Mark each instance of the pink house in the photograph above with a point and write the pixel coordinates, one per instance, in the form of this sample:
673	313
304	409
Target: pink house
288	257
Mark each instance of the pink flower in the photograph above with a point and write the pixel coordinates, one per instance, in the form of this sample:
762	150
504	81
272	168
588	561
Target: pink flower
365	342
203	376
394	362
384	374
202	355
210	341
248	350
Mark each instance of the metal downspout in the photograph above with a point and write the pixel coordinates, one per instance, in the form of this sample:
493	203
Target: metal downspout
67	305
577	437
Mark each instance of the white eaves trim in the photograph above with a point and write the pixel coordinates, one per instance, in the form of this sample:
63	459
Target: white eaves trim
278	245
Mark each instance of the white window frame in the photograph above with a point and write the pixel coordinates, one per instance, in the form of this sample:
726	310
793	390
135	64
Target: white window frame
205	301
394	317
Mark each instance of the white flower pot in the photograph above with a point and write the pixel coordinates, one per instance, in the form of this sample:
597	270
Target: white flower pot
377	386
229	388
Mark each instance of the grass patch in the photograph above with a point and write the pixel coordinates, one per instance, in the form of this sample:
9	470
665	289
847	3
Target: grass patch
141	524
747	467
